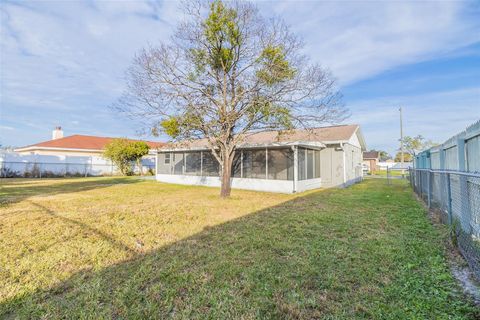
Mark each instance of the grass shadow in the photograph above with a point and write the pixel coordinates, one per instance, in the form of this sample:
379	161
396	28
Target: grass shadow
16	190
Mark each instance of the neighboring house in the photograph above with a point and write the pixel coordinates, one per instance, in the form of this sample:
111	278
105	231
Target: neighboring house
75	145
371	160
272	161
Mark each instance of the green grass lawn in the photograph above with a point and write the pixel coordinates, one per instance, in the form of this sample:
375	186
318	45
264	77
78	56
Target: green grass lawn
125	248
392	173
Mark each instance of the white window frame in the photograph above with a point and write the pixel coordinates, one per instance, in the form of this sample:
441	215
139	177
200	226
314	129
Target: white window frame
169	158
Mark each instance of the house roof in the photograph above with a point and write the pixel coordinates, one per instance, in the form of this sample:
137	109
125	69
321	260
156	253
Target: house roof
82	142
371	155
332	134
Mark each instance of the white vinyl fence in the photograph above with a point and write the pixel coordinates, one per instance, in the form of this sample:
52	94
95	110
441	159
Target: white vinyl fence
14	165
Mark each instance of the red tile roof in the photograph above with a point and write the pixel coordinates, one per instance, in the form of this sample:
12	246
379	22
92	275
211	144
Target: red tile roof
78	141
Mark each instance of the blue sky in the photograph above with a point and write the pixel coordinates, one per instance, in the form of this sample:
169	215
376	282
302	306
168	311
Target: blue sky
63	62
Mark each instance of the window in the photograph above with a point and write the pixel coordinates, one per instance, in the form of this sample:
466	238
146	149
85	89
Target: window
210	165
302	175
308	164
237	165
167	158
178	163
193	163
254	164
280	164
317	164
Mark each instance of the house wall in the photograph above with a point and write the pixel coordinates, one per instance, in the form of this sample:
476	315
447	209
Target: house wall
355	141
331	166
280	186
353	163
333	173
163	168
372	164
310	184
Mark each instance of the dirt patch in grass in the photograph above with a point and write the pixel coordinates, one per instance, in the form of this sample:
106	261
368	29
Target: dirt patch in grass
458	265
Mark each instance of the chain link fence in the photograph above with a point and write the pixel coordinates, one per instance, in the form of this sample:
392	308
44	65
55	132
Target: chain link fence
456	196
64	169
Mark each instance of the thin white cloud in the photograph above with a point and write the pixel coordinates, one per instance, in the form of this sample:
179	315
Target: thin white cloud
69	49
65	61
6	128
358	39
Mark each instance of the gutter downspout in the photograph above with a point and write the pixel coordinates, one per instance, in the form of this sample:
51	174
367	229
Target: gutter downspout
156	163
295	168
344	163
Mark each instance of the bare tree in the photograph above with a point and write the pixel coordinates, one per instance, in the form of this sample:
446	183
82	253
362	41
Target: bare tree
228	72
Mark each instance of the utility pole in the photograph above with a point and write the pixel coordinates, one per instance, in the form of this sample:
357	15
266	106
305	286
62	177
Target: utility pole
401	139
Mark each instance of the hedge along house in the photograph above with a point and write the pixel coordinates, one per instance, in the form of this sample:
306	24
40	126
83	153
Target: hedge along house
271	161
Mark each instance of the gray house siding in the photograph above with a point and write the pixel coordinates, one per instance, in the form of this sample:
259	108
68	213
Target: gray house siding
331	172
353	163
163	167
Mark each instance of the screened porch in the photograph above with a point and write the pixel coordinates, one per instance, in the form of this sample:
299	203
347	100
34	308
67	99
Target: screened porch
279	167
274	163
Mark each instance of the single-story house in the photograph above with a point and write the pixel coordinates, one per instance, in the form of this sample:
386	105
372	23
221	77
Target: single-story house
371	160
274	161
75	145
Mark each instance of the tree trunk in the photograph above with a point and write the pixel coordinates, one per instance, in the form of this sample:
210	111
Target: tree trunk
226	187
139	165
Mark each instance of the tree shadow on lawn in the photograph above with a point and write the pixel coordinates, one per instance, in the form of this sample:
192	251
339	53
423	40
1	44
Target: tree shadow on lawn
18	190
83	226
311	257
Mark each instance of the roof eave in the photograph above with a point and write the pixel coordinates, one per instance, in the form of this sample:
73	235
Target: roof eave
309	144
56	149
359	133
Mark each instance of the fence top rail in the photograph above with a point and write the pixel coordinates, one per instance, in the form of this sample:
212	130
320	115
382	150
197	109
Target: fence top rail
461	173
55	163
66	163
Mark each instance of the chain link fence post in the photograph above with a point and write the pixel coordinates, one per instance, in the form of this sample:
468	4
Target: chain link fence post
467	211
455	196
429	189
449	200
420	185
